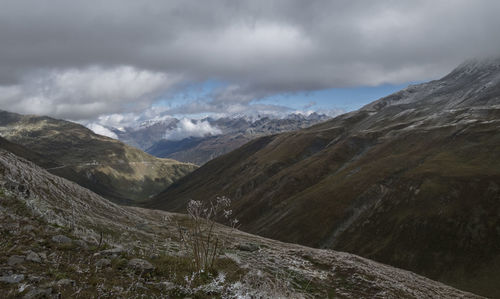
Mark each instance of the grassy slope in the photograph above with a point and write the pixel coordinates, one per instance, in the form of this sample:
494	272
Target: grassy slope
21	151
35	206
425	199
107	166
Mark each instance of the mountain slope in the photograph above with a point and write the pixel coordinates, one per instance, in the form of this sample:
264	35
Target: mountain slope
62	240
25	153
116	171
412	180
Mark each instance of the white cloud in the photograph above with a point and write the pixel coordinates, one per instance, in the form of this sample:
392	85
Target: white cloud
191	128
98	129
80	94
81	60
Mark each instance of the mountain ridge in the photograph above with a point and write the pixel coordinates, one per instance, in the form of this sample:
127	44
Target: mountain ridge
228	133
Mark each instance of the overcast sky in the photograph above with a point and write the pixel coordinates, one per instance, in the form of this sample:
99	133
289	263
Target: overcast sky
115	62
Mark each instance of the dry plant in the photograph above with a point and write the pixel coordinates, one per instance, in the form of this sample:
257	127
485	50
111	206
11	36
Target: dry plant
200	236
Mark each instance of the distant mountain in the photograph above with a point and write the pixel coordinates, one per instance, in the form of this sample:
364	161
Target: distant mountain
60	240
235	133
411	180
110	168
147	134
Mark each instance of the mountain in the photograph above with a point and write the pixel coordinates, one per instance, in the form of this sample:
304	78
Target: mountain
112	169
60	240
411	180
147	134
235	133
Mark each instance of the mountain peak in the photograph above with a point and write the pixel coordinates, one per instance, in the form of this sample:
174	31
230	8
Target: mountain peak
476	66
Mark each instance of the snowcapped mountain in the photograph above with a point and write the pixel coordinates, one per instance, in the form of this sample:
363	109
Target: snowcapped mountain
198	141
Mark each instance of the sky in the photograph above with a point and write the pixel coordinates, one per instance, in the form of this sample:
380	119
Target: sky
117	63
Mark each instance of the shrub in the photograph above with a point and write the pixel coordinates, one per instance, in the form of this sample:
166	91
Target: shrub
200	237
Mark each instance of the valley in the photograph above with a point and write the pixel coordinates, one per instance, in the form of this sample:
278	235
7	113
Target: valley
261	149
410	180
60	239
114	170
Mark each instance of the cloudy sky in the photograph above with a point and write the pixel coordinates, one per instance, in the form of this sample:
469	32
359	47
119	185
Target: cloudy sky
118	62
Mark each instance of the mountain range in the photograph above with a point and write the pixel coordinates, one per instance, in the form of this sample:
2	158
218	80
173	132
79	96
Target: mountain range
228	134
411	180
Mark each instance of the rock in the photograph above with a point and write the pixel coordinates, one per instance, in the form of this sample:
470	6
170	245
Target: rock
43	255
102	263
82	244
141	265
61	239
14	278
28	228
33	257
114	252
52	256
251	247
66	282
34	278
38	293
15	260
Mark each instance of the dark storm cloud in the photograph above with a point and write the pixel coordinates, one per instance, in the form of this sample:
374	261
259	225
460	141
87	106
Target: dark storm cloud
51	50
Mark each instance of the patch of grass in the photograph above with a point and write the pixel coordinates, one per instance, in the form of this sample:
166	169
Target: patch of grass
119	264
17	206
177	268
57	274
67	247
230	268
166	265
316	263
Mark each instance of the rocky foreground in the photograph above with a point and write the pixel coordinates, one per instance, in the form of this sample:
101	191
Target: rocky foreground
59	239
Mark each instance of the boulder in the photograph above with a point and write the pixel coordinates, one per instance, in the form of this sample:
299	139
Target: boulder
61	239
82	244
251	247
15	260
38	293
14	278
102	263
66	282
33	257
140	265
114	252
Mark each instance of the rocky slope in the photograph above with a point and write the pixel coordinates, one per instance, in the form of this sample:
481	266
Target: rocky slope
234	132
61	240
114	170
411	180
